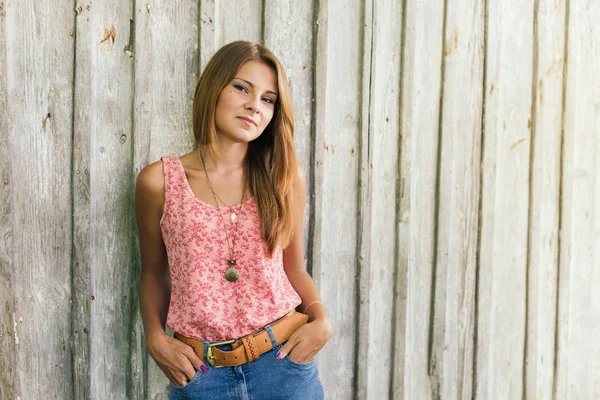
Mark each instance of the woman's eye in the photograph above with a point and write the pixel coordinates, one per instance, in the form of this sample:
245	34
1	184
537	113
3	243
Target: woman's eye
241	88
269	100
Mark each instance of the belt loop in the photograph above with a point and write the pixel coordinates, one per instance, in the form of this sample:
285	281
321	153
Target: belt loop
271	335
204	350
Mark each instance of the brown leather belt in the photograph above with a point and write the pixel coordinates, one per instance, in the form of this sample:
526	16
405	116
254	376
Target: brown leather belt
250	347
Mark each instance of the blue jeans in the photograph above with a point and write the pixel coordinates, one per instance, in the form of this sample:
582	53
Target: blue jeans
264	379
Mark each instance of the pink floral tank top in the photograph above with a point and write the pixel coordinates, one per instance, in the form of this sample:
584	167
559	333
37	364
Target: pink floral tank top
204	305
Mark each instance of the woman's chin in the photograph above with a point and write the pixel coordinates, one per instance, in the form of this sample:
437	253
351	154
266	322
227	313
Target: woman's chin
240	138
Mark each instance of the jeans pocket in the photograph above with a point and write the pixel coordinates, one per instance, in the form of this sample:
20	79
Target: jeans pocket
187	385
307	364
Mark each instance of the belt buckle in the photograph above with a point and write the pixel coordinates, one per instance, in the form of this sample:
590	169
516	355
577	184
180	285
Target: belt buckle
209	355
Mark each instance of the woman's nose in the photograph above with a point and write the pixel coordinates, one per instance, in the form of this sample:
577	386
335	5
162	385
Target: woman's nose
252	105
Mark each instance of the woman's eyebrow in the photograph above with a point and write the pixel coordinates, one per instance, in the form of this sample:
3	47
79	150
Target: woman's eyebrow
252	85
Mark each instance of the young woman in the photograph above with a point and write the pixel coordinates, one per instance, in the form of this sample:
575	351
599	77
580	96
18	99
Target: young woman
221	237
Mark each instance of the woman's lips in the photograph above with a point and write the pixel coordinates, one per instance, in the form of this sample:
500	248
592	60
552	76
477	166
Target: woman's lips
248	121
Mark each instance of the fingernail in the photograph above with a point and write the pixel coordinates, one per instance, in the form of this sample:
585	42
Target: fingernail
203	368
279	356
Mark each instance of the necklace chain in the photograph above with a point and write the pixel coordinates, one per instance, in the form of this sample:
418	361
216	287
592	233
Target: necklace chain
219	197
232	260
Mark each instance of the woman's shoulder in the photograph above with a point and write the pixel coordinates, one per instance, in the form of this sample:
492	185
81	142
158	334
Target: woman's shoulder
151	178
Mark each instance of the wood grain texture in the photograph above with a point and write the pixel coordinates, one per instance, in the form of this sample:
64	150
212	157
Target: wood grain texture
578	372
365	155
166	40
403	189
39	75
242	20
452	231
544	199
288	32
222	22
379	166
7	341
420	126
337	124
109	93
503	252
82	125
209	36
166	74
454	321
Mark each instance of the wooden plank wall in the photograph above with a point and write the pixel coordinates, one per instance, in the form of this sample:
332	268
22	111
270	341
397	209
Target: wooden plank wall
453	208
578	364
37	79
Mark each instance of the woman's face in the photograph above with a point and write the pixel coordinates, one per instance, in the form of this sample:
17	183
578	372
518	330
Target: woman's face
246	105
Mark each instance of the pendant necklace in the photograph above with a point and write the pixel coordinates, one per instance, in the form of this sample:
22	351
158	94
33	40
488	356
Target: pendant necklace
232	274
232	213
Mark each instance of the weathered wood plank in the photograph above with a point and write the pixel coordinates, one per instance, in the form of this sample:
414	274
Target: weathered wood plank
337	124
7	342
241	20
209	34
365	155
454	321
545	191
166	40
82	125
220	24
39	76
355	176
503	252
288	32
578	373
379	166
419	124
105	96
403	231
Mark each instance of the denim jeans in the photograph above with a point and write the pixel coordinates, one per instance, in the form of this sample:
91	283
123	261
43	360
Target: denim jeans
264	379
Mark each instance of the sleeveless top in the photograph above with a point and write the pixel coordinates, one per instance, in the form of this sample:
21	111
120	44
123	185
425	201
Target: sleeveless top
204	305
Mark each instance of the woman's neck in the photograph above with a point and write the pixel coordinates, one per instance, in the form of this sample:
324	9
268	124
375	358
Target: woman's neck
231	156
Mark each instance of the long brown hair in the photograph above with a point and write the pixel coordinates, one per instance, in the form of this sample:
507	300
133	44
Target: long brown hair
271	159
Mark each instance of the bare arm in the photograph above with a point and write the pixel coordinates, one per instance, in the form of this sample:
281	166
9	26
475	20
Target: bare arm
155	283
308	340
177	360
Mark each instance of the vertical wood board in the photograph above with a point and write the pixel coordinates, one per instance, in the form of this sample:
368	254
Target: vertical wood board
579	309
209	38
111	199
403	230
545	193
420	116
381	117
454	321
82	125
336	184
7	342
166	65
241	20
363	228
503	252
39	75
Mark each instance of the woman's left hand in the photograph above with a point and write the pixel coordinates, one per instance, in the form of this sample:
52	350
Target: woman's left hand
306	342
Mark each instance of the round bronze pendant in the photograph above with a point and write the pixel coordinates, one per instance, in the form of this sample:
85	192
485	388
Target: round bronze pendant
232	274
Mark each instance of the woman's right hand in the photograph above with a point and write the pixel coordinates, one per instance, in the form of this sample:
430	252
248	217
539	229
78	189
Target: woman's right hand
177	360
